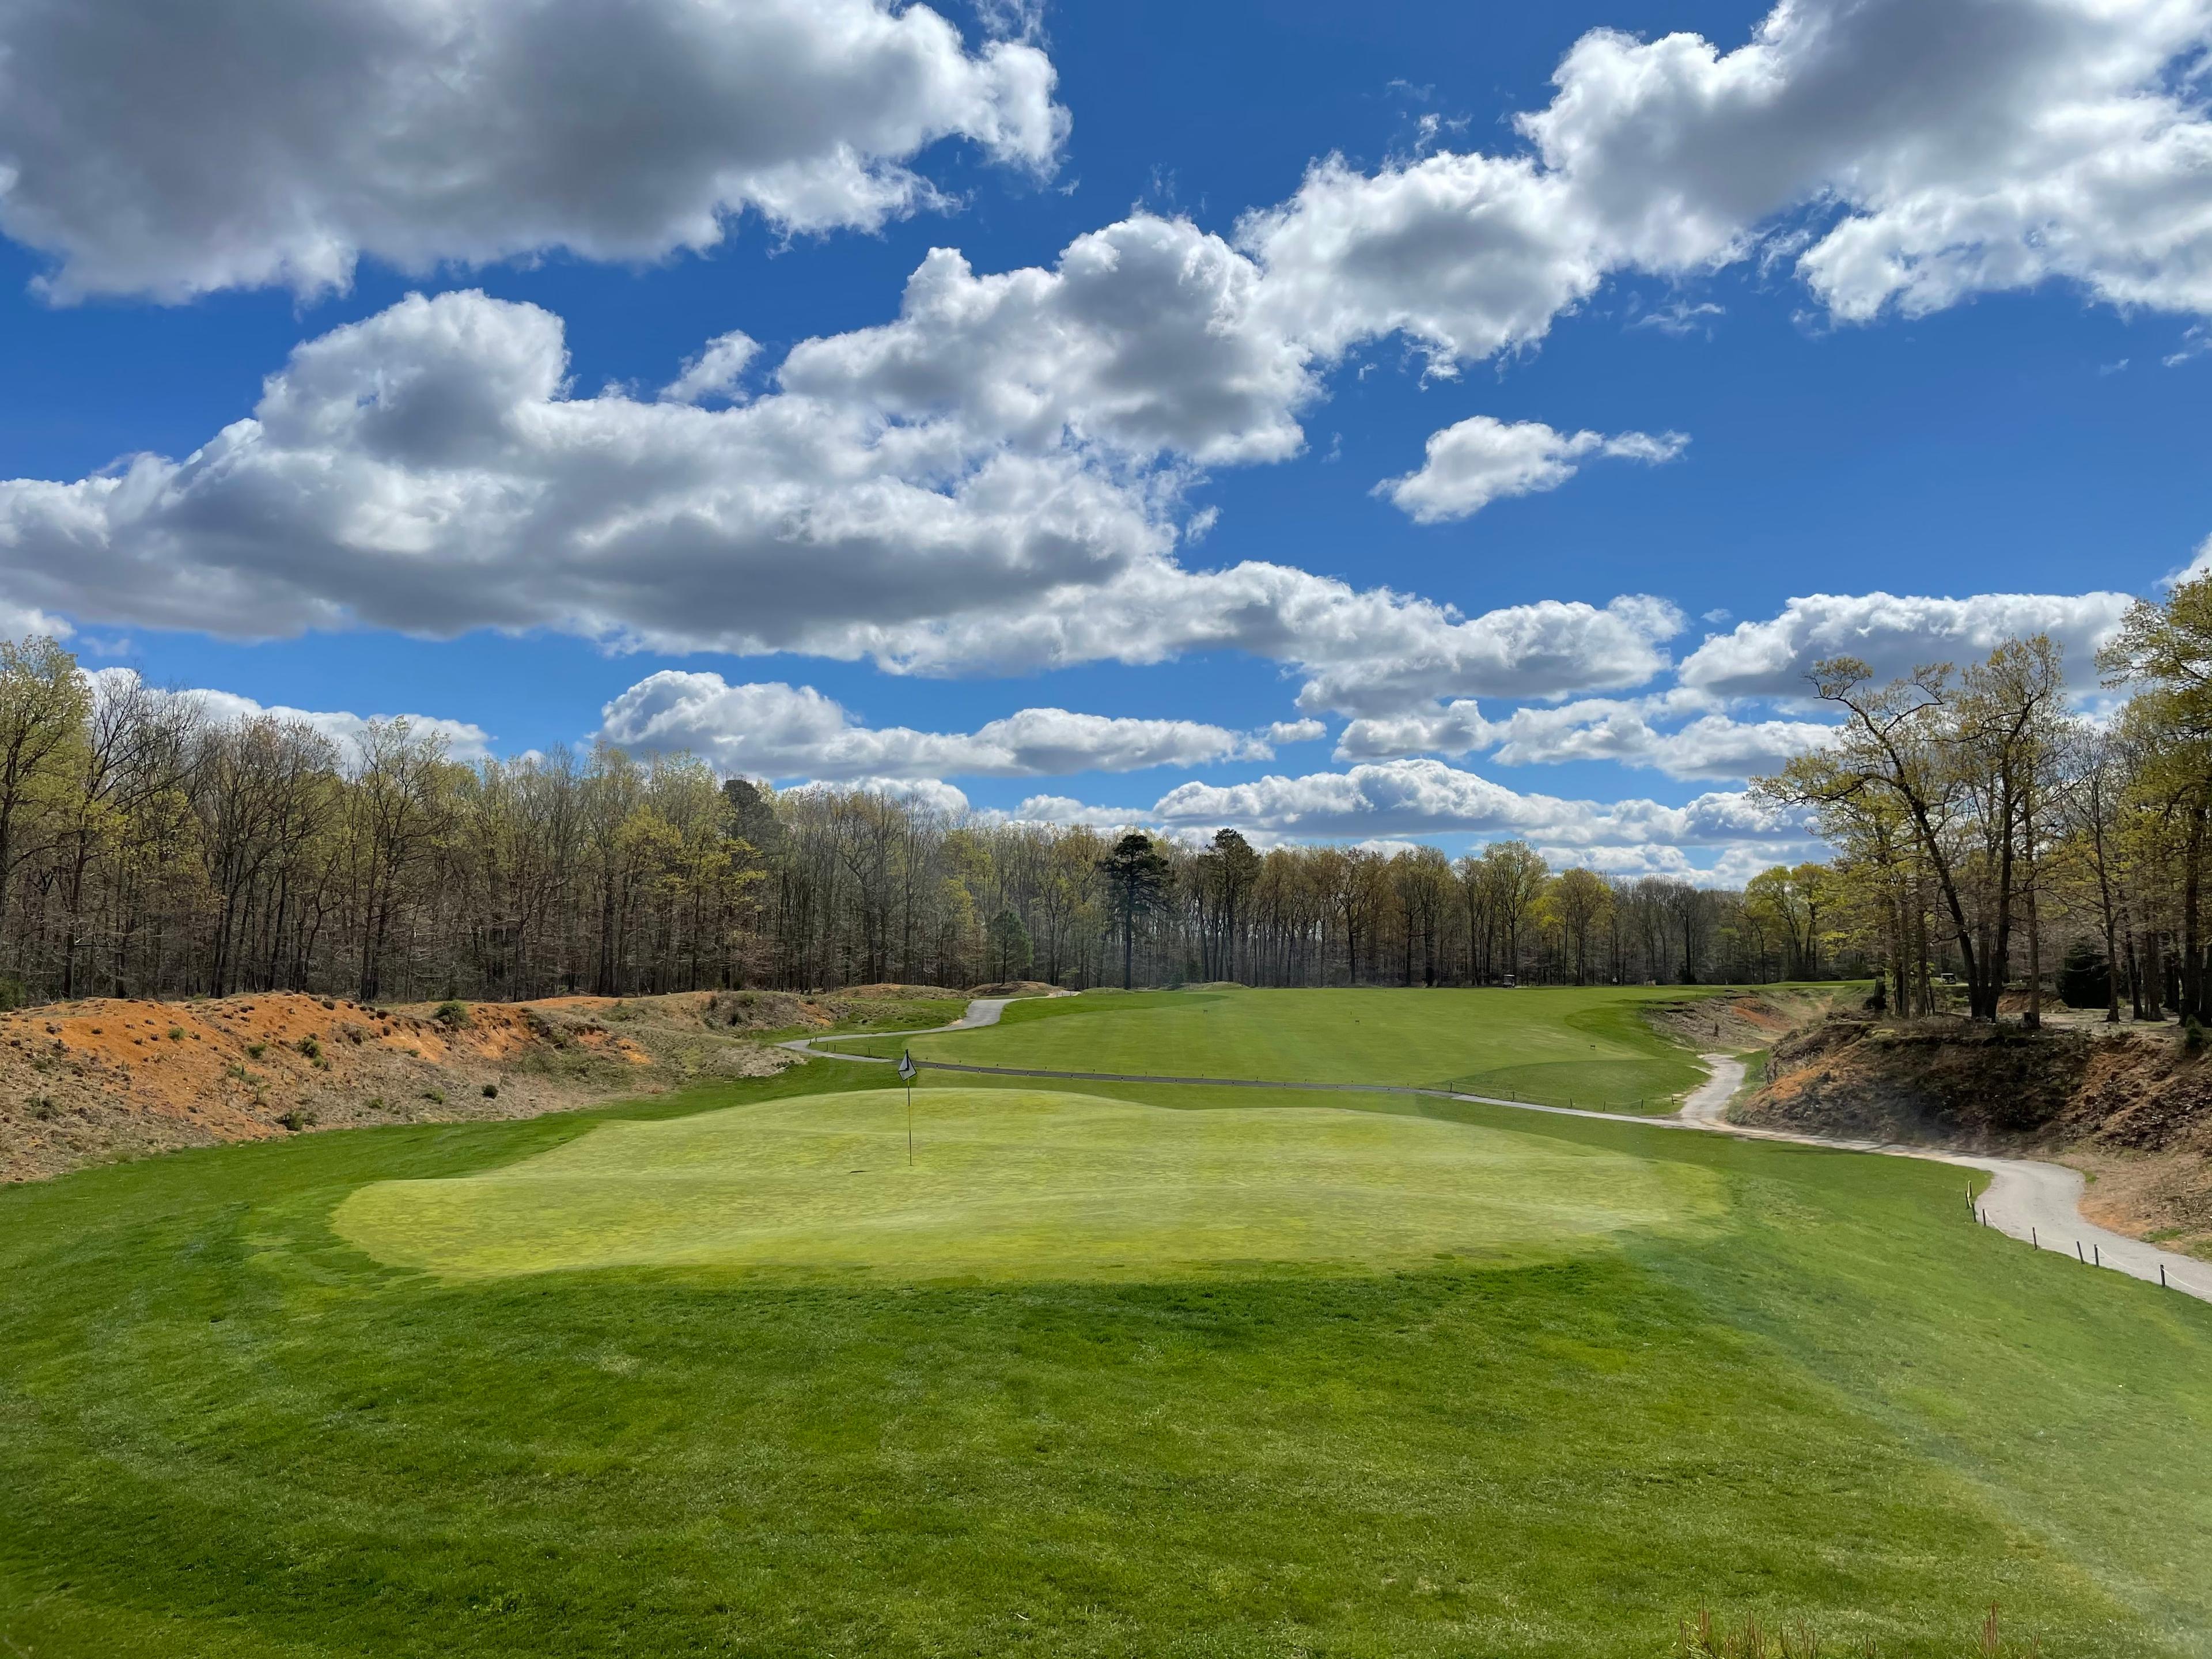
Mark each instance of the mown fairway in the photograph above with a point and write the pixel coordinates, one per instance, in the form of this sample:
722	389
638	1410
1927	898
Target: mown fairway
1568	1382
1555	1045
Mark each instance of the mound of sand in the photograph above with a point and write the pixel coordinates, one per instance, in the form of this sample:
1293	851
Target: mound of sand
93	1081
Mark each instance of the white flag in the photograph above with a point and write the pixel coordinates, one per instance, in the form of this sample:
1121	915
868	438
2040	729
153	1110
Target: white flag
906	1066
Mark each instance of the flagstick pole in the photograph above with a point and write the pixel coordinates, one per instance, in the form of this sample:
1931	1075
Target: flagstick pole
909	1125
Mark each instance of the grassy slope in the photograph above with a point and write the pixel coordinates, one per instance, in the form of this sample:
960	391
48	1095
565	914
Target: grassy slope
223	1430
1555	1045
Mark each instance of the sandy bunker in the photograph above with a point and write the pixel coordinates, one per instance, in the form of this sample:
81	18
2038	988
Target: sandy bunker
1016	1183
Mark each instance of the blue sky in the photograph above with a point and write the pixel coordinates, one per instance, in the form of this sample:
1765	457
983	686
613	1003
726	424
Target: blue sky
1854	300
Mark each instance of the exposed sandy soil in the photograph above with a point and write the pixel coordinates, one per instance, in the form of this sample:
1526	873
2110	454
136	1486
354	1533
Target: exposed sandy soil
91	1082
2128	1105
1739	1020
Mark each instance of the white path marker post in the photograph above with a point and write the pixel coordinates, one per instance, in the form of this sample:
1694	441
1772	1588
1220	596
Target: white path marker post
906	1069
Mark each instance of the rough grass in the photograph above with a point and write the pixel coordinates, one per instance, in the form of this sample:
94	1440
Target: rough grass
1022	1184
1557	1046
224	1430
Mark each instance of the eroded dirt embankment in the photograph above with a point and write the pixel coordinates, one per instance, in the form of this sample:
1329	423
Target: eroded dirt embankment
94	1081
2131	1106
1739	1020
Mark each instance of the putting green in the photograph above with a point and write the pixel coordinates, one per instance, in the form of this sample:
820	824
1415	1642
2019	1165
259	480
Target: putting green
1024	1184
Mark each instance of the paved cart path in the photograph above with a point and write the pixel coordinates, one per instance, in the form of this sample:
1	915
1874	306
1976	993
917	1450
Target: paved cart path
2031	1201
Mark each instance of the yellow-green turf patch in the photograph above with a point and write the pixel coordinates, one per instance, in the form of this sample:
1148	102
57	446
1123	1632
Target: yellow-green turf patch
1024	1184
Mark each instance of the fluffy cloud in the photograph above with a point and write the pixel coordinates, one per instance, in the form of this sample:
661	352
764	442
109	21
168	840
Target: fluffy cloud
716	371
424	470
1710	745
1893	635
1426	797
168	150
934	793
1470	255
780	731
1905	153
22	622
1914	151
1142	337
1731	866
465	740
1066	810
1474	463
1297	731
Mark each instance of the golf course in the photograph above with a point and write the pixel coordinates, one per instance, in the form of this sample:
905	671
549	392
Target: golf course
786	1366
1565	1046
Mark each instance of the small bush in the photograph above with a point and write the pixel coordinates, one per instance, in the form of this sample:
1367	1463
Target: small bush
309	1046
491	1091
2193	1034
255	1050
435	1096
176	1033
297	1119
376	1102
44	1109
453	1015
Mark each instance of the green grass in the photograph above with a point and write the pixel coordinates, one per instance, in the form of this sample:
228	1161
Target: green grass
1022	1184
1805	1388
1557	1046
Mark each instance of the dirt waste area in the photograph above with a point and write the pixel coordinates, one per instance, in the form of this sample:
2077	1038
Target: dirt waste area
95	1081
1738	1020
2130	1105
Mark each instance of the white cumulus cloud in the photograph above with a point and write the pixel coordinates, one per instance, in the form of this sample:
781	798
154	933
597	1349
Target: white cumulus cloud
425	470
155	149
465	740
1664	732
1427	797
1481	460
1894	634
778	731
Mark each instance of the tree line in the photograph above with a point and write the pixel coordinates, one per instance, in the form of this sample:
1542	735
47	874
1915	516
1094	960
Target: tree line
1997	847
149	847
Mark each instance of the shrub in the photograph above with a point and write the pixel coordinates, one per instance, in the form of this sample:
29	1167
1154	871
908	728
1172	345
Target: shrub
44	1109
297	1119
2192	1033
491	1091
435	1096
255	1050
309	1046
2085	979
176	1033
453	1014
